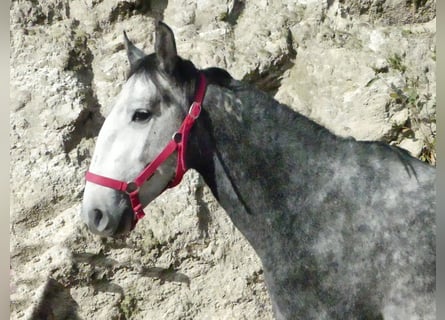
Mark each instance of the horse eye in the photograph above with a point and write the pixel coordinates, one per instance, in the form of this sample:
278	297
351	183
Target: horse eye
141	115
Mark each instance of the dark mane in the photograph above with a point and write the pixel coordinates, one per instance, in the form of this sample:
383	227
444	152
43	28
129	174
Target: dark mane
218	76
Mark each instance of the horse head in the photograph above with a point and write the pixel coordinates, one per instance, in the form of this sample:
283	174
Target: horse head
126	172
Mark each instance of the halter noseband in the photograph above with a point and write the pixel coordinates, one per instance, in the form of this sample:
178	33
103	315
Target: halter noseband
178	142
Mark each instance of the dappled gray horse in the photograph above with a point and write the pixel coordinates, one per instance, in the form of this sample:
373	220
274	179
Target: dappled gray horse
344	229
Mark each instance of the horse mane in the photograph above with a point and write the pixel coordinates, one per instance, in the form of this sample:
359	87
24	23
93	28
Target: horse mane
218	76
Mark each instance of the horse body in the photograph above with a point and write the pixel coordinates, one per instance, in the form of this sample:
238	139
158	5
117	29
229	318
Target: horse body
344	229
337	223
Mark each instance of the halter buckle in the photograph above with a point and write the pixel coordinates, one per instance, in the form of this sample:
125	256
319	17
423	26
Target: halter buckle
131	188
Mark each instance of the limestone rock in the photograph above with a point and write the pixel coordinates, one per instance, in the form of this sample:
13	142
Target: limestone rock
364	69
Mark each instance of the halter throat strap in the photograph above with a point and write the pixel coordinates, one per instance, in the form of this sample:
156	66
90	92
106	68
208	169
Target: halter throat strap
177	143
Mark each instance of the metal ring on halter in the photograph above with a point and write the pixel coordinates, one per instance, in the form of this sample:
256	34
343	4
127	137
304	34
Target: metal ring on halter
131	188
177	137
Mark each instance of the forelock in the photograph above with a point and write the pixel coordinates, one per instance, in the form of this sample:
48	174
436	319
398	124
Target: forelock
147	65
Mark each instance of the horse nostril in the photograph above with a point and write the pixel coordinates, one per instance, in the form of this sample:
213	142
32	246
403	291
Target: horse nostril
99	220
97	216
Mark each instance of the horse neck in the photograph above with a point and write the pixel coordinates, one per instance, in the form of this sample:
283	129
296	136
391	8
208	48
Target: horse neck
257	155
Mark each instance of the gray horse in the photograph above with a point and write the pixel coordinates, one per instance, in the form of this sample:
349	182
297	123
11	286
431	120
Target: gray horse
344	229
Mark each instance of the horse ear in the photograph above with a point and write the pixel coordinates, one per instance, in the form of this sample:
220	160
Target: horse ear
165	47
133	53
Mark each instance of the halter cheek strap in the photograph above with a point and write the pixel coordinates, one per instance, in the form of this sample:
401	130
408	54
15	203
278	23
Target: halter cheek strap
177	143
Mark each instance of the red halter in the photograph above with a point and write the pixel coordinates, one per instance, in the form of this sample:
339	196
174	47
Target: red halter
178	142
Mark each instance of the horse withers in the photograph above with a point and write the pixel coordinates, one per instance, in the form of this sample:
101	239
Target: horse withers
344	229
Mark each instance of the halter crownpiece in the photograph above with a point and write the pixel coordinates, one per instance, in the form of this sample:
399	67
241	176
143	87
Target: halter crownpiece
177	143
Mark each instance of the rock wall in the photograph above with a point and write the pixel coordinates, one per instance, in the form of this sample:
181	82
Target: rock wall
361	68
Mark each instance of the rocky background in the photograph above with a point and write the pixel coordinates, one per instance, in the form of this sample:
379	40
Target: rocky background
362	68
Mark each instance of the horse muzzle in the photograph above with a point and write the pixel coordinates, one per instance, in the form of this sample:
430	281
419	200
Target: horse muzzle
108	223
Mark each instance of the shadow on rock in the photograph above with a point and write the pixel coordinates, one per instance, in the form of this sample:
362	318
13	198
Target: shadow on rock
55	303
165	274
